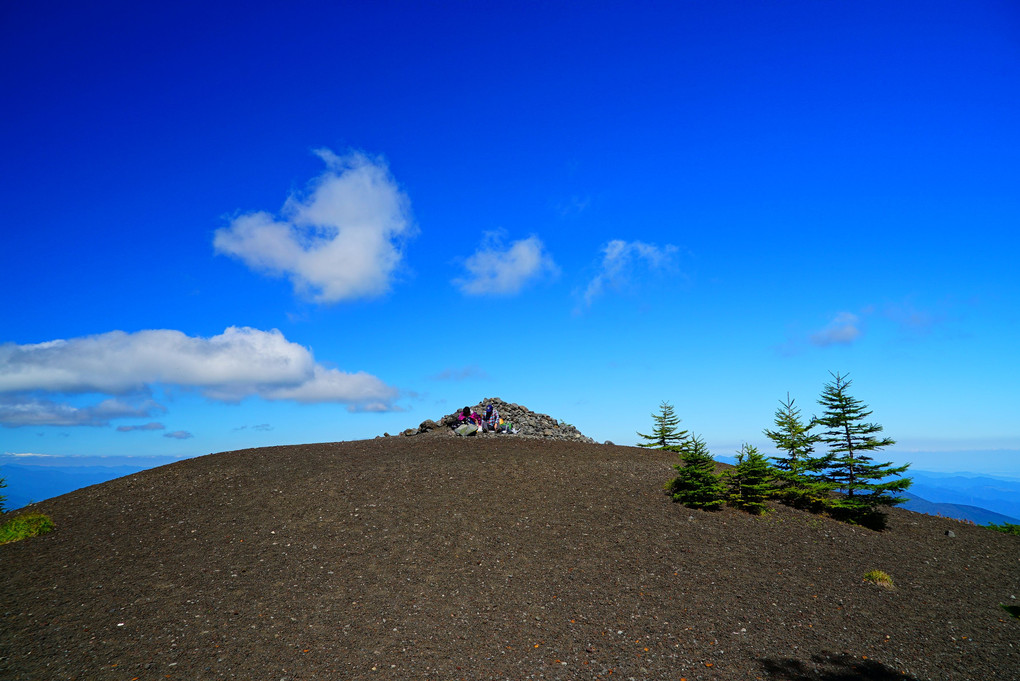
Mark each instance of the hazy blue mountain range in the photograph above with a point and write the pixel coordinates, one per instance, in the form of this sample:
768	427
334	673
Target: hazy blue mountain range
34	477
979	498
975	514
998	494
27	484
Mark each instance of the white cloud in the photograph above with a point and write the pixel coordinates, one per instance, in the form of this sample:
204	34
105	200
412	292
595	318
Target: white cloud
495	270
842	330
330	385
341	241
239	363
620	260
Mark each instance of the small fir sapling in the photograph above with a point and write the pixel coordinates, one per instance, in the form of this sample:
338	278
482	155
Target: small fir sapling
697	485
797	469
751	481
666	433
849	468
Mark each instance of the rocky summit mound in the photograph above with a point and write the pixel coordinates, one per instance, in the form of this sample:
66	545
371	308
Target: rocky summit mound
489	558
526	423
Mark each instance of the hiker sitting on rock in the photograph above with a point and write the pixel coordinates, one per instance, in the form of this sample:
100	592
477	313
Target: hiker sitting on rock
469	423
468	416
491	423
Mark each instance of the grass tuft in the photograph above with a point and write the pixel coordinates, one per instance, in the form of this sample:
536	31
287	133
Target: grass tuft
28	525
880	578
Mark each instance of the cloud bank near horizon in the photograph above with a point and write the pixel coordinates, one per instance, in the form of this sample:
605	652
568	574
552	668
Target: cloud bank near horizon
343	240
239	363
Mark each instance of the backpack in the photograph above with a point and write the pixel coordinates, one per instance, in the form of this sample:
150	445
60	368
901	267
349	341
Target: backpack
466	429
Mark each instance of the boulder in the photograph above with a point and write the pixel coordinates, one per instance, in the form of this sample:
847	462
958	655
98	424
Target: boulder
427	425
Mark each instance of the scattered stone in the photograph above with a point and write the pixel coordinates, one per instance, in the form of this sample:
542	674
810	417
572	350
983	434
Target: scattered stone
950	534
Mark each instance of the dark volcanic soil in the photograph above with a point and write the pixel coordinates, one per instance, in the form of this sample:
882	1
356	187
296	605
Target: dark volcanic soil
501	558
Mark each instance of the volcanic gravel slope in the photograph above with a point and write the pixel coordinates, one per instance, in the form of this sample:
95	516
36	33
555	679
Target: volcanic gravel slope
500	558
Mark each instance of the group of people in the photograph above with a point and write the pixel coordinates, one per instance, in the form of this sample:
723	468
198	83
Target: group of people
470	422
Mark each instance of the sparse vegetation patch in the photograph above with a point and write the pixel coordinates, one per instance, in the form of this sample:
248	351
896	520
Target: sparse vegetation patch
879	577
24	526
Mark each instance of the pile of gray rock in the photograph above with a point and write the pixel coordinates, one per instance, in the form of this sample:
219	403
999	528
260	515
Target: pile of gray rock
526	422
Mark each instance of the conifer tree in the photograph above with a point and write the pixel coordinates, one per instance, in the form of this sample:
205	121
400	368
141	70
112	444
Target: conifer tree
750	481
697	484
3	497
666	434
849	466
798	469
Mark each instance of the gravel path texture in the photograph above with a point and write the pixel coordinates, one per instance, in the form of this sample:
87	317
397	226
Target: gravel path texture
492	558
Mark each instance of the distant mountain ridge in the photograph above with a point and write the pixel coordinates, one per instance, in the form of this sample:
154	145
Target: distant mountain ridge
979	499
999	495
974	514
28	484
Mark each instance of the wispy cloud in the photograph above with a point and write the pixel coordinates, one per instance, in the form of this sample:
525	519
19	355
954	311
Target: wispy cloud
148	426
844	329
910	322
497	270
239	363
913	321
179	435
573	206
18	410
261	427
342	240
621	260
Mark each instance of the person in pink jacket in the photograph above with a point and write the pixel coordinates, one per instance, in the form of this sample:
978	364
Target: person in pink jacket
468	416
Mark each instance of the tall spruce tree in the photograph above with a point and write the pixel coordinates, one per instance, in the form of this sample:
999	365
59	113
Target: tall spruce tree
697	484
750	481
666	433
798	470
849	467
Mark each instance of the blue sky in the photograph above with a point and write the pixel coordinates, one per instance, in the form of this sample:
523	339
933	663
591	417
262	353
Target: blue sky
230	225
